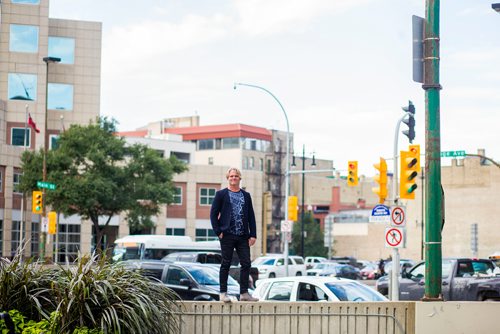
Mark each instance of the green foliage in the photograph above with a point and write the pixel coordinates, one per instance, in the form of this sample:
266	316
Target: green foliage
97	174
314	240
90	297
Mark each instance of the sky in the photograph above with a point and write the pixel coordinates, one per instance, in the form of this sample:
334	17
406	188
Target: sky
342	69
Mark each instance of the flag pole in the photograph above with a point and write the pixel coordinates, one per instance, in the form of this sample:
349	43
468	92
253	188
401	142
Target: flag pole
23	194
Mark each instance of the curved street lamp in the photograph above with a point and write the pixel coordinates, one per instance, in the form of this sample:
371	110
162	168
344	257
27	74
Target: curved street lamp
287	169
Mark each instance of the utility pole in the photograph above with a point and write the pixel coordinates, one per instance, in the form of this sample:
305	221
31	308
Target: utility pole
433	197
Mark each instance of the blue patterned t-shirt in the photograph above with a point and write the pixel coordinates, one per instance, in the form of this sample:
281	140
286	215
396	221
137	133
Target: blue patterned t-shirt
237	203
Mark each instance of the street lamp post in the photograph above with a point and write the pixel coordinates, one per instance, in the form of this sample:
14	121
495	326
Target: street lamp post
302	211
43	234
287	169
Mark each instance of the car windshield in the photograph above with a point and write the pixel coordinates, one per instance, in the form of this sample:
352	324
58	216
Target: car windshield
263	261
208	276
353	291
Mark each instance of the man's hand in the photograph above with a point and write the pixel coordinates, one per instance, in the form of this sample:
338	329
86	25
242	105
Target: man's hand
221	235
251	241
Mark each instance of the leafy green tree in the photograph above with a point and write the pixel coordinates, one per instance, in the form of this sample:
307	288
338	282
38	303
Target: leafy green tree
313	240
99	176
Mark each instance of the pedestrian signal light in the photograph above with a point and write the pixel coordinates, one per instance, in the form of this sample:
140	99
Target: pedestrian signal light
293	208
37	202
381	179
52	222
352	173
410	166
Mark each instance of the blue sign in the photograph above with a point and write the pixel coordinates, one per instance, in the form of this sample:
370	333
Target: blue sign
380	214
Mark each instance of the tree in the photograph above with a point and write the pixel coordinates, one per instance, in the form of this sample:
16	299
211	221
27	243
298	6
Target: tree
314	239
99	176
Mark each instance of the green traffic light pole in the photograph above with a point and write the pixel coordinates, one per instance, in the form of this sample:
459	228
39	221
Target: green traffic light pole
433	197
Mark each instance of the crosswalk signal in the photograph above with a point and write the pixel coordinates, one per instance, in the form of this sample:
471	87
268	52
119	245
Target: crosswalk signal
410	166
37	202
381	179
352	173
52	222
293	208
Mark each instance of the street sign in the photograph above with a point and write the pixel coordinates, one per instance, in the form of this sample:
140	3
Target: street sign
380	214
47	185
398	217
452	154
45	224
394	237
286	226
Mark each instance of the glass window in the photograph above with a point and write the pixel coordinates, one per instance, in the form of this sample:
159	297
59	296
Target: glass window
280	291
29	2
175	231
60	96
230	142
174	276
16	231
205	144
53	142
23	38
35	236
18	138
251	163
207	196
204	234
177	196
22	86
69	242
62	47
1	237
16	182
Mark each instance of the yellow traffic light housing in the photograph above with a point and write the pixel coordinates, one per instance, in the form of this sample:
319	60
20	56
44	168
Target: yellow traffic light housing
37	202
352	173
52	222
381	179
293	208
410	166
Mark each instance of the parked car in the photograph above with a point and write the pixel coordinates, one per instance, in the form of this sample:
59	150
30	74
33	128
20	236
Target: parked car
462	279
319	268
342	270
215	259
191	281
370	271
310	261
405	265
314	288
273	265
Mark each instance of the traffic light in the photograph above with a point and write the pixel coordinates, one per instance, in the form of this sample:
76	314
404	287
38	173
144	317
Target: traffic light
52	222
37	202
410	166
293	208
381	179
352	173
410	121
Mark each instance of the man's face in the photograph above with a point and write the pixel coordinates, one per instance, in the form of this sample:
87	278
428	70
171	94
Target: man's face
234	179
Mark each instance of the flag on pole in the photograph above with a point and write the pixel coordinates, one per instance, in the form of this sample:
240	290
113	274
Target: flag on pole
32	123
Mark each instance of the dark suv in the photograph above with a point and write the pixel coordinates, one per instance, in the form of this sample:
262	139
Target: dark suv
214	258
190	281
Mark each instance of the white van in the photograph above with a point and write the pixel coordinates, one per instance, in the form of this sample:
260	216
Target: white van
273	265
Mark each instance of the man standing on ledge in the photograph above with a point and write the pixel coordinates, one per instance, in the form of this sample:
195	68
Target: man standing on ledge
233	221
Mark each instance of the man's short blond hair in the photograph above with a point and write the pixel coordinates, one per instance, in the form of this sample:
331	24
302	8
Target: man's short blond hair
236	170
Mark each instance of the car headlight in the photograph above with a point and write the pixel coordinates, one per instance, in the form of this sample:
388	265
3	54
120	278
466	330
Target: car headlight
262	270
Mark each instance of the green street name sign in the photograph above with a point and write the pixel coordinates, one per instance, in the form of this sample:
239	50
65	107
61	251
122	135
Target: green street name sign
46	185
452	154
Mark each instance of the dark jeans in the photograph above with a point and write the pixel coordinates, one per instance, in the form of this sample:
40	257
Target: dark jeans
228	244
